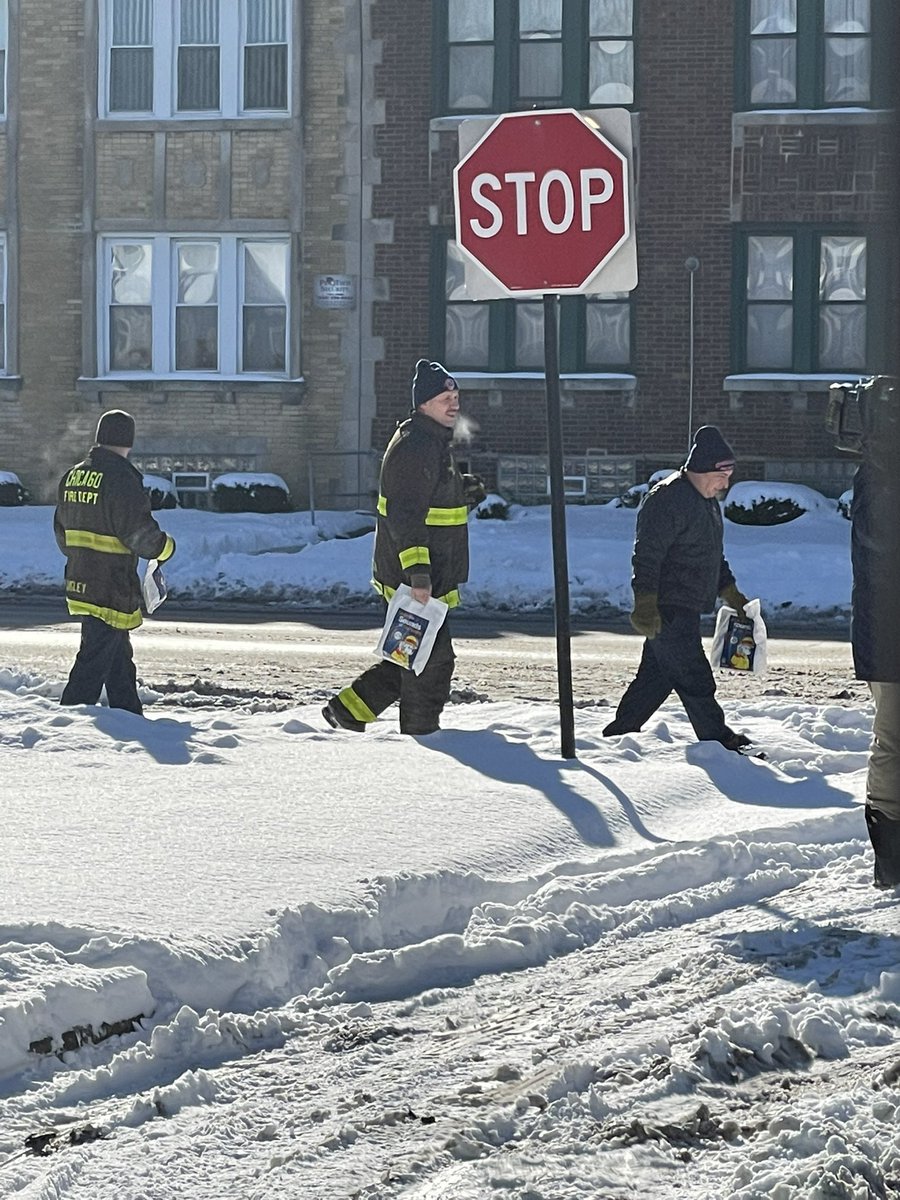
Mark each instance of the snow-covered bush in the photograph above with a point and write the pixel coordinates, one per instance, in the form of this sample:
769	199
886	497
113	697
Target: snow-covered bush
633	497
250	491
11	491
492	508
845	500
161	491
768	503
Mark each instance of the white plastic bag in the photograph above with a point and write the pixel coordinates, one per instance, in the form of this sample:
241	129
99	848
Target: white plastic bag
409	630
739	643
153	586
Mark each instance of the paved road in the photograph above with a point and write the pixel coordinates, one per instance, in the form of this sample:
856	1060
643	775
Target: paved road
225	656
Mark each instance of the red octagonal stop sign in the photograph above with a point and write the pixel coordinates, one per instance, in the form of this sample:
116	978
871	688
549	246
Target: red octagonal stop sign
542	201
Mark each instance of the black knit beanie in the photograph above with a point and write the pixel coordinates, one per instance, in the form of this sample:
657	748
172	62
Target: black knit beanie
115	428
710	451
429	381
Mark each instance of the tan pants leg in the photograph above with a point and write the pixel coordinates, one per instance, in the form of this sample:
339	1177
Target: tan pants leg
883	782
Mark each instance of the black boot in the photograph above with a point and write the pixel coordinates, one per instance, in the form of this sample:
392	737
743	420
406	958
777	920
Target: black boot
884	834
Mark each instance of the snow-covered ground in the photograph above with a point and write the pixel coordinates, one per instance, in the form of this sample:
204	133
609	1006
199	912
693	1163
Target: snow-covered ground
245	956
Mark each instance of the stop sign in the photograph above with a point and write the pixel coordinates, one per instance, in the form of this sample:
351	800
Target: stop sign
542	201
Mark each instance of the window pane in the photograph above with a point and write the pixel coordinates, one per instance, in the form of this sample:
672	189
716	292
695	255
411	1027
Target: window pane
470	21
612	73
466	335
455	278
529	335
131	273
266	21
197	314
607	332
471	82
842	268
773	71
847	16
265	327
130	338
130	80
540	69
198	273
199	22
847	70
265	77
611	18
198	78
770	330
132	22
773	16
540	18
265	271
770	268
2	337
842	337
2	81
196	338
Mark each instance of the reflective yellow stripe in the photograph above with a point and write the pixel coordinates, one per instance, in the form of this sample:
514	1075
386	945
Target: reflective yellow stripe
167	551
355	705
86	540
434	516
452	599
412	556
111	616
447	516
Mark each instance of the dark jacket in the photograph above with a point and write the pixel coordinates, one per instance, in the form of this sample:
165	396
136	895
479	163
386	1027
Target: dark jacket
103	525
422	535
678	546
875	549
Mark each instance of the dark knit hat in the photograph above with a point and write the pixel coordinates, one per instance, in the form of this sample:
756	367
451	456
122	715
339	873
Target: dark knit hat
429	381
115	428
710	451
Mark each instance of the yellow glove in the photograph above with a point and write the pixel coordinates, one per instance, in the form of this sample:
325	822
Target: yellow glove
645	618
734	599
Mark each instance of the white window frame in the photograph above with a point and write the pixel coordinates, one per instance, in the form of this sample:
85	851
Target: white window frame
4	46
165	43
4	299
164	292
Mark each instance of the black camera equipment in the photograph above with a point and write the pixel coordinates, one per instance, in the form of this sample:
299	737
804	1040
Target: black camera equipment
861	415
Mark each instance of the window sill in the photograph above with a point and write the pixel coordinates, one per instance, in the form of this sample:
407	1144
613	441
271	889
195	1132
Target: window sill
188	124
10	386
507	381
193	383
785	382
812	116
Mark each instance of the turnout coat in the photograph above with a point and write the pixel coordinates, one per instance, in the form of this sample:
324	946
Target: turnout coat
875	550
103	525
678	546
422	535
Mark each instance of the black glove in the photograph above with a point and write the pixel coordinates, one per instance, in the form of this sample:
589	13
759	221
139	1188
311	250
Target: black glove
474	489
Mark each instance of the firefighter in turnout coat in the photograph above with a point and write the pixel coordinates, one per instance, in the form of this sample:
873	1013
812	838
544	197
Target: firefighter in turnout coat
422	540
103	525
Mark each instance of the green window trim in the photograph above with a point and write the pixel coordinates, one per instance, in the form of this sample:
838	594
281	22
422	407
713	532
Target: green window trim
810	39
501	326
806	303
575	40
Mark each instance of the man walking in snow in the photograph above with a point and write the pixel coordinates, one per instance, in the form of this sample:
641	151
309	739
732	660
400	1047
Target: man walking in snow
422	539
678	570
103	524
875	626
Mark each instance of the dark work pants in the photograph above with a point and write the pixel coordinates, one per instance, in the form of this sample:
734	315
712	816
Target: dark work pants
104	658
674	661
422	697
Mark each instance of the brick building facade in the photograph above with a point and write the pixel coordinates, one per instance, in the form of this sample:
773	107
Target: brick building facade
235	220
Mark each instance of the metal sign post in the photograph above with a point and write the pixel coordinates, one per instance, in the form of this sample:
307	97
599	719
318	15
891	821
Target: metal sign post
558	528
